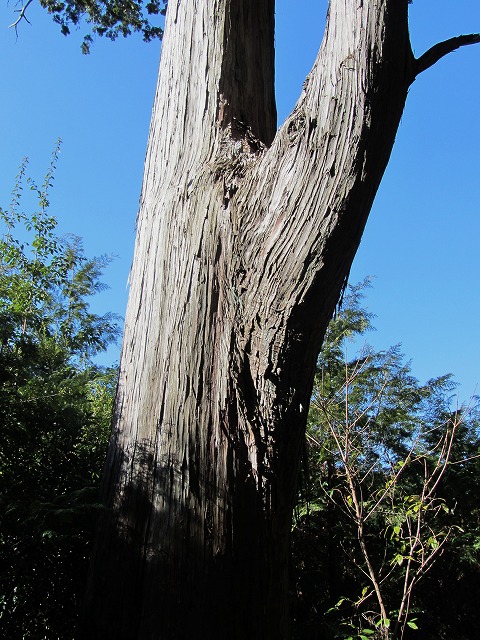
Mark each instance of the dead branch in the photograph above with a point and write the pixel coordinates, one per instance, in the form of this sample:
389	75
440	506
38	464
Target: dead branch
22	15
438	51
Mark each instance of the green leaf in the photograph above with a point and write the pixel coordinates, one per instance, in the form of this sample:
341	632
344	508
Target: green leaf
398	559
383	622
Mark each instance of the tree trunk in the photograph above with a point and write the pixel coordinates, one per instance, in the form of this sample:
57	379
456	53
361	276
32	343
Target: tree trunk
245	239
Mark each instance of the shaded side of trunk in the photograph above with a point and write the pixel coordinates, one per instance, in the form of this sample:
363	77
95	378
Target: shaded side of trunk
244	242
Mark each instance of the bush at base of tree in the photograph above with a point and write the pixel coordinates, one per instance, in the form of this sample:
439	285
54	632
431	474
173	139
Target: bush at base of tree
55	409
386	537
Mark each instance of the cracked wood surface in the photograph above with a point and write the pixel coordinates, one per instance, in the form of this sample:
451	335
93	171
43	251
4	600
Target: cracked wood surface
245	238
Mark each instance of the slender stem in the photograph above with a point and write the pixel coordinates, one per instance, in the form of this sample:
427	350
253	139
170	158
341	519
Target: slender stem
357	501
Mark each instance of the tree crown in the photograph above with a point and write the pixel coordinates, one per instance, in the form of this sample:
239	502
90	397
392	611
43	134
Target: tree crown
109	18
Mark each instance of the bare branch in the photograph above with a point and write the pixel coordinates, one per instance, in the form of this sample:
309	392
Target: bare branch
463	460
438	51
21	16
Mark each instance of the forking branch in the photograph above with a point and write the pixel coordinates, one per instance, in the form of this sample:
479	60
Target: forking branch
22	15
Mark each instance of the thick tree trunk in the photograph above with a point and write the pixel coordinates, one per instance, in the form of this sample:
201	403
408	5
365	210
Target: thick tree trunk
245	239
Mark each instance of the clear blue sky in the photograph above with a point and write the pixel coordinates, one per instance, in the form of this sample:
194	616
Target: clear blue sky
422	239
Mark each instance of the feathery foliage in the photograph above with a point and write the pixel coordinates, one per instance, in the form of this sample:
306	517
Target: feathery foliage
55	407
109	18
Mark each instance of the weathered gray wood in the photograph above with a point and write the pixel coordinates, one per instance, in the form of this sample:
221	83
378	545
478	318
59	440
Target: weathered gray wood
245	238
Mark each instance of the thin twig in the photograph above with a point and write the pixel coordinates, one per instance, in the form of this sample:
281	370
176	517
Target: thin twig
21	16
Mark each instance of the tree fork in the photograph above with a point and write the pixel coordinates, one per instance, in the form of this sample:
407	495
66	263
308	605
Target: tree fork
245	239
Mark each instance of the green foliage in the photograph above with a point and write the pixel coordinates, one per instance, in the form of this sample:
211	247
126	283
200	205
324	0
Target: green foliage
109	18
55	408
389	502
45	281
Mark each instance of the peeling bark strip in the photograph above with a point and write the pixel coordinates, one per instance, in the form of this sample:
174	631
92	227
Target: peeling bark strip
245	239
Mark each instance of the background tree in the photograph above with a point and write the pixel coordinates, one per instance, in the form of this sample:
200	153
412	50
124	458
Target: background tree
381	525
245	240
55	413
103	17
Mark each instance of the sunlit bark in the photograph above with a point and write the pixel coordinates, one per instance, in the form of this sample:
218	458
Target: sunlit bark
245	239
